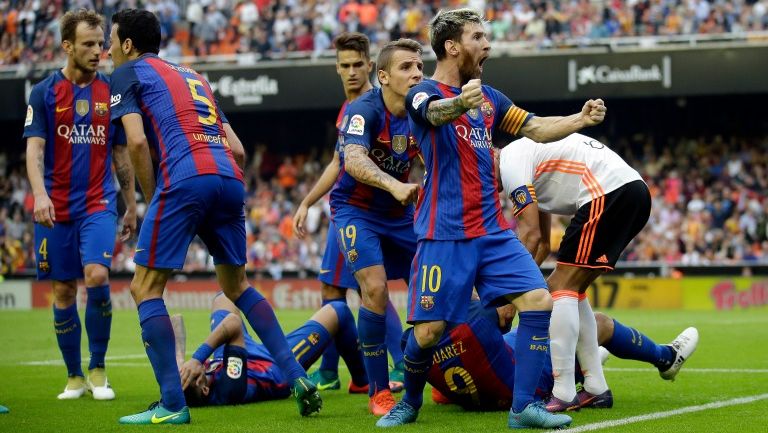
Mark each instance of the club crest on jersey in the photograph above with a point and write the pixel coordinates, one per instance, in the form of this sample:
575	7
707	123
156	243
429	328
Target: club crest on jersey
427	302
399	144
487	109
356	125
473	113
521	198
352	255
101	108
44	267
314	338
234	367
82	107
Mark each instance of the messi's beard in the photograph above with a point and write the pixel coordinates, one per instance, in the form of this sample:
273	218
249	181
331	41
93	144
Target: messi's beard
468	70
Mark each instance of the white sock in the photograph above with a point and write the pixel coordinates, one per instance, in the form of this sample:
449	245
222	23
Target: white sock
586	350
563	335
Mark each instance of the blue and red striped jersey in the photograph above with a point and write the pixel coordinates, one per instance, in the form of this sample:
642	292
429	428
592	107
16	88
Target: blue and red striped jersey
459	200
182	120
75	123
473	367
341	121
390	146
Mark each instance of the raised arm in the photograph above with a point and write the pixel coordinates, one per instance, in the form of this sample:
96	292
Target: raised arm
442	111
363	169
553	128
319	189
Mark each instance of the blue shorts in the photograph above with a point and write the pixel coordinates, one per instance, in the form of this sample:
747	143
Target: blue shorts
444	273
367	239
334	270
209	206
63	251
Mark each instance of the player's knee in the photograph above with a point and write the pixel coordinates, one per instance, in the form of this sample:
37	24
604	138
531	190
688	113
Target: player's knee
96	275
428	333
535	300
375	296
64	293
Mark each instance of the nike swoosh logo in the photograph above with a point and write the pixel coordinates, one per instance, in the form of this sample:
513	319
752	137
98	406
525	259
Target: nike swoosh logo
62	109
157	420
324	271
368	346
55	323
139	249
107	256
539	338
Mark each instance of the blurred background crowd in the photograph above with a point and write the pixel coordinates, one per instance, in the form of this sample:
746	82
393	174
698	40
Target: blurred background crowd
272	29
710	206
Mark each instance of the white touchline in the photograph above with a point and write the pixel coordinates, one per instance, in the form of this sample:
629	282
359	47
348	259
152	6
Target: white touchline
666	414
697	370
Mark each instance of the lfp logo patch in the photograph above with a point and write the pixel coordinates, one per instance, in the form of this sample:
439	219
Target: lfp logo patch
234	367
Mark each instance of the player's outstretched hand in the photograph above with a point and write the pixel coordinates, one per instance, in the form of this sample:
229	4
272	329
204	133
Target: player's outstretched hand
406	193
298	221
45	215
191	372
472	94
129	224
593	112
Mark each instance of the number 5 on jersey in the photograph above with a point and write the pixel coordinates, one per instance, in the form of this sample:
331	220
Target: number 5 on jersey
193	85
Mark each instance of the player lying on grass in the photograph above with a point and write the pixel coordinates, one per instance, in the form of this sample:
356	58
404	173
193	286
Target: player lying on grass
473	364
231	368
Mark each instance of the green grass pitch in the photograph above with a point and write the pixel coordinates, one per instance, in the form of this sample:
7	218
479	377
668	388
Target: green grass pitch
731	362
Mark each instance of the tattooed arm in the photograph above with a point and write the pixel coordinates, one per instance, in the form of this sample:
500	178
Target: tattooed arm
44	211
444	111
127	181
362	168
447	110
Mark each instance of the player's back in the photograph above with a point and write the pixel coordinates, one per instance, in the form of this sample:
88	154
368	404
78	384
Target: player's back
74	122
181	118
565	174
473	367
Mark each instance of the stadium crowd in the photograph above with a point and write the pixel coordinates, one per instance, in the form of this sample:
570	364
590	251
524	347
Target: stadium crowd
29	31
710	206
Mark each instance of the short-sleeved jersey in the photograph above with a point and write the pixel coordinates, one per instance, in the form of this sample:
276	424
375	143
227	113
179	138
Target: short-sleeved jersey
75	123
561	176
460	200
182	120
390	146
341	122
473	367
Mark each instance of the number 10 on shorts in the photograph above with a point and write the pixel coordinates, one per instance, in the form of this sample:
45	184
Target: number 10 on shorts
430	278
